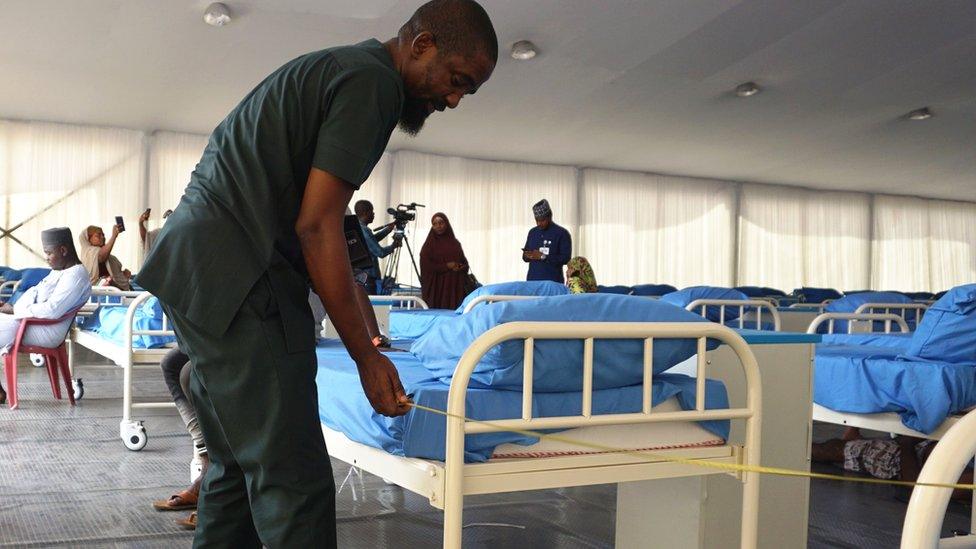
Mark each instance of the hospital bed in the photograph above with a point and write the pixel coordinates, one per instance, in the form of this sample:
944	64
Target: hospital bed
851	319
885	422
446	483
818	306
422	319
749	311
901	309
124	355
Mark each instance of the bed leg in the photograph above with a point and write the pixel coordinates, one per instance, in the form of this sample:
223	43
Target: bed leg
454	483
750	511
972	514
71	354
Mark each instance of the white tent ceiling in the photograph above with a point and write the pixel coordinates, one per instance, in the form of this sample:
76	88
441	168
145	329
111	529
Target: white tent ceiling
630	84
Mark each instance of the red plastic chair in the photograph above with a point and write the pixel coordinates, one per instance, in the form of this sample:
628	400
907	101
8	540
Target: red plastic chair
56	359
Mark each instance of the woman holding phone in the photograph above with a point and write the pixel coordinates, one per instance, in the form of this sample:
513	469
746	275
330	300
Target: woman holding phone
96	256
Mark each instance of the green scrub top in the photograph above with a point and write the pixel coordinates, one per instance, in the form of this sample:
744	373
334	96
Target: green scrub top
334	110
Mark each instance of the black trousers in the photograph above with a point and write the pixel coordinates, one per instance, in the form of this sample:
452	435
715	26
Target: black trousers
270	479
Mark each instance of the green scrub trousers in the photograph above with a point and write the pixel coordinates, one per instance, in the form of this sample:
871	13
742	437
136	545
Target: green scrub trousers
270	479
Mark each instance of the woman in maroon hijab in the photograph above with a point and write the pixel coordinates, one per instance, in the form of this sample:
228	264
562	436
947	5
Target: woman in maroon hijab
443	267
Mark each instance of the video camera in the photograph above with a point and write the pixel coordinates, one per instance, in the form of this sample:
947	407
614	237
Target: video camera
403	214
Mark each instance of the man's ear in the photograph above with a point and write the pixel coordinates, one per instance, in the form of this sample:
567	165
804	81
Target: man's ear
422	43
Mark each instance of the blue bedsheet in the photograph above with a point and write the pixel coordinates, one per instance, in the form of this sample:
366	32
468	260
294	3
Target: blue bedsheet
343	406
413	323
868	379
109	323
897	341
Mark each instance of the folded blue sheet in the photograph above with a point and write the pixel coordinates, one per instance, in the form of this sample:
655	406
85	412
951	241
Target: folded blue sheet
896	341
343	406
850	303
870	379
646	290
558	363
683	298
948	330
524	288
413	323
109	323
620	290
816	295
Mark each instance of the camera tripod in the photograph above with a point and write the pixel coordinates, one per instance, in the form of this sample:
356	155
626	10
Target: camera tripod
393	264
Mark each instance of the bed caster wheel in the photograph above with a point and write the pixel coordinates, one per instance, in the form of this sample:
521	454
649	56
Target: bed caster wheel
79	389
135	438
37	360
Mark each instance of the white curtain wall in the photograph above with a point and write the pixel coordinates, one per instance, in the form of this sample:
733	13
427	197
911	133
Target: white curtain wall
952	237
489	205
794	237
635	228
640	228
900	256
54	175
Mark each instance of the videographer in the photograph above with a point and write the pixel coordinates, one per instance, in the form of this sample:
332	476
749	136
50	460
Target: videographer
366	215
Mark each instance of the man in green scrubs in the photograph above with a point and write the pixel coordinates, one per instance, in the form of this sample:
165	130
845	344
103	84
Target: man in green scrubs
261	216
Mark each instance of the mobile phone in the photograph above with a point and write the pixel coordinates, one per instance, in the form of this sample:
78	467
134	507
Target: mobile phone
120	223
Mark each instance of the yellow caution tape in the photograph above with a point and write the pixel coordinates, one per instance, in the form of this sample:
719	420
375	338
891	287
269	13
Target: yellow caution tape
731	467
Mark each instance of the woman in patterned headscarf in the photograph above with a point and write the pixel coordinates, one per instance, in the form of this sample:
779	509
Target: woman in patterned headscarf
579	276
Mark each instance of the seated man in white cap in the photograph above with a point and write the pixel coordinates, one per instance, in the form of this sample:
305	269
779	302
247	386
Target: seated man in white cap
548	246
66	288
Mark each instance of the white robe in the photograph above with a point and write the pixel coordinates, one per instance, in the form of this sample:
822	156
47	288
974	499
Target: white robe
53	297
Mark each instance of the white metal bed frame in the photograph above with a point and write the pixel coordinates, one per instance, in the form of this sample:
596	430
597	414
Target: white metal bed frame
802	305
851	318
742	305
446	483
927	506
9	288
921	308
404	301
132	432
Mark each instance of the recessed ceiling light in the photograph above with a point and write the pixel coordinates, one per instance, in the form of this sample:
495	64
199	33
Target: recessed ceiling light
216	15
524	50
747	89
920	114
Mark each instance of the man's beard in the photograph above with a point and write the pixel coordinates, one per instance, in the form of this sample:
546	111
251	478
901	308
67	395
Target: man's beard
415	113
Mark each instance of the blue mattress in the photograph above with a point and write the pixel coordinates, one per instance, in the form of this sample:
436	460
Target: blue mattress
413	323
868	379
109	323
343	406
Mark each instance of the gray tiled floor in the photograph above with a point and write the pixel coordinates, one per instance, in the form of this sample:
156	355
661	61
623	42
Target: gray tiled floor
66	479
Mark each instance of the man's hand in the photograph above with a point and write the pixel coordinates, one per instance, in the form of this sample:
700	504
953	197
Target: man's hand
319	229
381	382
7	308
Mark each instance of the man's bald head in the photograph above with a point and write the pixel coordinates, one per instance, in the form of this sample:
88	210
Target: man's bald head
460	27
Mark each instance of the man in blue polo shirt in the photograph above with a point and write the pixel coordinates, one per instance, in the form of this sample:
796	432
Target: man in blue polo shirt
548	246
